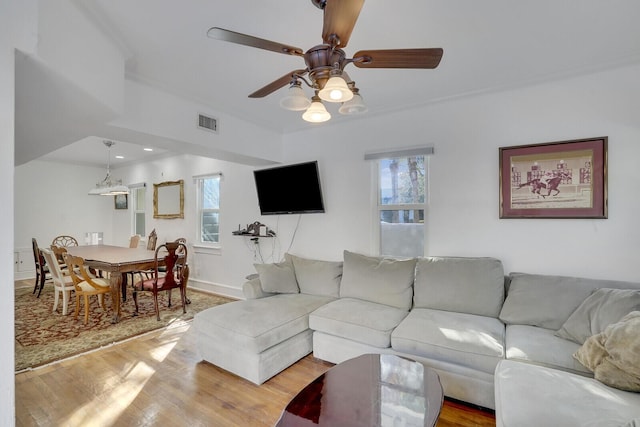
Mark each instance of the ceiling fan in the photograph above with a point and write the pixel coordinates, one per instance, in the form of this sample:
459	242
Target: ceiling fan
326	62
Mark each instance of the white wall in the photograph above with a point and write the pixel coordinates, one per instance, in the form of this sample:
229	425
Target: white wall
51	199
222	270
162	119
17	30
91	61
463	202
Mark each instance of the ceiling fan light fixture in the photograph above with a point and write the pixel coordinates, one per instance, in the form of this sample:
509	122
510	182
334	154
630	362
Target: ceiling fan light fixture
336	90
355	105
316	113
295	100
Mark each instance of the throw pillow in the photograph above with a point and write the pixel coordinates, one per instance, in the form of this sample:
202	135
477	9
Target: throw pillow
277	278
602	308
612	355
377	279
316	277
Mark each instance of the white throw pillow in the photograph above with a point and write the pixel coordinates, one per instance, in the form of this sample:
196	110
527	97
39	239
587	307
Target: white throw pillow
602	308
277	278
316	277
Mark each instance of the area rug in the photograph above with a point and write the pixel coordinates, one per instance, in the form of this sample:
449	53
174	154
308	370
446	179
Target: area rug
42	337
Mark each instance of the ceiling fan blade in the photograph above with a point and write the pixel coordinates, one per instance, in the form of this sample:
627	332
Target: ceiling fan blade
247	40
277	84
340	17
399	58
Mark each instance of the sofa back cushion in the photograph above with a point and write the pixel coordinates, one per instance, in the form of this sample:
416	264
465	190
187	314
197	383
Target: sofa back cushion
548	301
316	277
463	285
378	279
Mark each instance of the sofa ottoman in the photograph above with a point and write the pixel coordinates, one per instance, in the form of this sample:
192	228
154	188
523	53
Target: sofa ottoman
256	339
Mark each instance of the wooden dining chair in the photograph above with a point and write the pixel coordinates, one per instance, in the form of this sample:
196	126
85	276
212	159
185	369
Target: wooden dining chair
42	270
134	241
85	284
58	252
180	253
152	240
62	283
64	241
177	275
131	276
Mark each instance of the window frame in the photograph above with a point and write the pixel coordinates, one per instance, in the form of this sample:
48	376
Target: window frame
378	207
133	203
200	210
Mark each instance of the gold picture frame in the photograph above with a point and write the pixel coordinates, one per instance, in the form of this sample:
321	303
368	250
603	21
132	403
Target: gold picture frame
168	200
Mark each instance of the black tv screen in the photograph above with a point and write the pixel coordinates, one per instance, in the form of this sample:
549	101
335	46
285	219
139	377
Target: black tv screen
290	189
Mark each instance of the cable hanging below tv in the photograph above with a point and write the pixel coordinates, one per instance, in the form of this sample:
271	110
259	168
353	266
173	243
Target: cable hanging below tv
289	189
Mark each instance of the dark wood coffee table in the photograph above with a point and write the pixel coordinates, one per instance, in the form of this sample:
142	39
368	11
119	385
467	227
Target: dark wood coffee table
369	390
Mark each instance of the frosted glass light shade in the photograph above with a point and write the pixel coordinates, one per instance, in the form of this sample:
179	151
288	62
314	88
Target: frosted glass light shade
109	190
316	113
335	90
295	100
354	106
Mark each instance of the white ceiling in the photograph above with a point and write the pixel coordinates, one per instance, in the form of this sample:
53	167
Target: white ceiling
488	45
92	151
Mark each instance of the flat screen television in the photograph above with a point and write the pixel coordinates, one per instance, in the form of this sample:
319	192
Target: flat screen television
290	189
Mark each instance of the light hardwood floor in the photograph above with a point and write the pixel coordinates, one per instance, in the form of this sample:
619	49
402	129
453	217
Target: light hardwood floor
158	380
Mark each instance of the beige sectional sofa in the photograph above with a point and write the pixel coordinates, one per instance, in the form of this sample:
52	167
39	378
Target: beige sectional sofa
486	334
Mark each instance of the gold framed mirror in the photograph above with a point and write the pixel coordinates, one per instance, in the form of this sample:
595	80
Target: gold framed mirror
168	199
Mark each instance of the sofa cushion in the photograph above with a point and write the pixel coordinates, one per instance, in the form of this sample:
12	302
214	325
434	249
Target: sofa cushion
278	277
602	308
463	285
548	301
378	279
541	346
362	321
535	396
465	339
316	277
255	325
613	355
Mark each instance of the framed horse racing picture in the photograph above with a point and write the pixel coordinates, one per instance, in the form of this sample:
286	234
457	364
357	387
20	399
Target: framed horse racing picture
564	179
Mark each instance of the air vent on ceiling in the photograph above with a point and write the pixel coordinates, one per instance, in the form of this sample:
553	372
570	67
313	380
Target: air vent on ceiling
208	123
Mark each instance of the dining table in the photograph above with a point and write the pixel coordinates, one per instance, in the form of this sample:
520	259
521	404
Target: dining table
117	261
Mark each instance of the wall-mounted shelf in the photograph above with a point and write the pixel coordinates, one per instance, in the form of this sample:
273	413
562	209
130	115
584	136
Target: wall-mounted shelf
256	229
252	235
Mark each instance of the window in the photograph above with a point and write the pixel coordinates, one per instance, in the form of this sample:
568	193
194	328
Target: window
209	208
401	179
137	194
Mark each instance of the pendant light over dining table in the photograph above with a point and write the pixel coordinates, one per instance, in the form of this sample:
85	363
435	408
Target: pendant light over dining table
109	187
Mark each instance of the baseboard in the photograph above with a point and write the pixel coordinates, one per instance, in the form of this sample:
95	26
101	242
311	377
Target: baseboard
24	275
216	288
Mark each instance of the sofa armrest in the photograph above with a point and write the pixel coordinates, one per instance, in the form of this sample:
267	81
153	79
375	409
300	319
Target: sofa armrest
253	290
